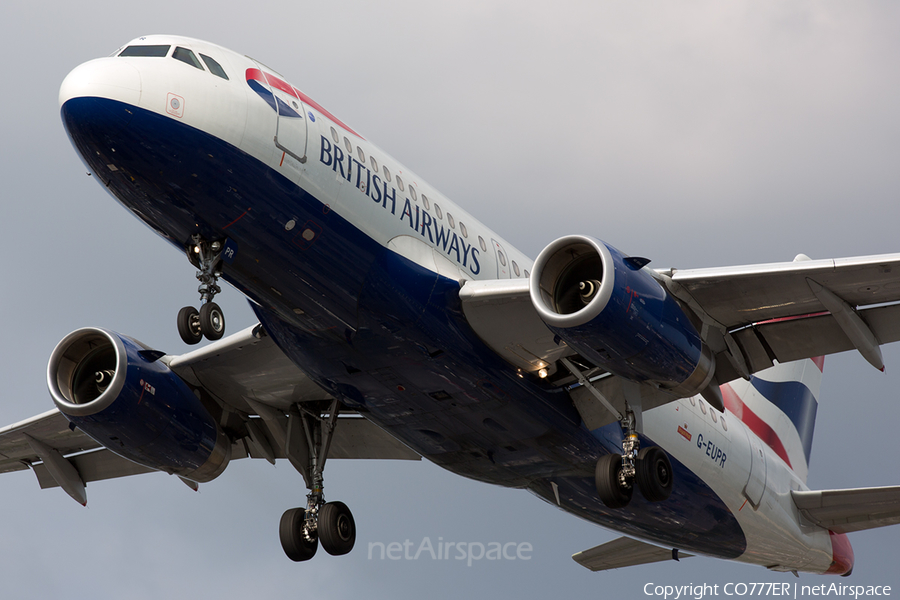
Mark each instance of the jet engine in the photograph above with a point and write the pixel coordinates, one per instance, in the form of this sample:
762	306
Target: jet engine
118	392
616	314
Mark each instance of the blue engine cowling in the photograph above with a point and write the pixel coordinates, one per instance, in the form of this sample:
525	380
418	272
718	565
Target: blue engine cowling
616	314
116	390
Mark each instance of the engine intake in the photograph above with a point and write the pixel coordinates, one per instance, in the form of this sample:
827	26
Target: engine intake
616	314
115	390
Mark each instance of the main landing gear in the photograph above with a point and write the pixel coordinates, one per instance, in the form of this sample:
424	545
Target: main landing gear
209	321
617	474
329	523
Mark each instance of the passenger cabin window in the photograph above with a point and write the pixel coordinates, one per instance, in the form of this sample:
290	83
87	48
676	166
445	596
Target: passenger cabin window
349	147
187	57
400	183
335	136
387	173
361	154
156	51
426	202
412	192
374	163
516	268
482	244
462	228
451	221
214	67
437	209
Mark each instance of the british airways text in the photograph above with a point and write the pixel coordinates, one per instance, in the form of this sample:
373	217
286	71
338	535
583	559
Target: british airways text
419	219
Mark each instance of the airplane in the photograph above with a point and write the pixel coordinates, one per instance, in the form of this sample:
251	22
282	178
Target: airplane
676	407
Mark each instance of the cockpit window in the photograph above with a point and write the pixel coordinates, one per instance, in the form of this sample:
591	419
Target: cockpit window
186	56
158	51
214	67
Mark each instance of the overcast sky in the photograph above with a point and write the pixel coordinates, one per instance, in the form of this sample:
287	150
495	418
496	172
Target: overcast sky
699	133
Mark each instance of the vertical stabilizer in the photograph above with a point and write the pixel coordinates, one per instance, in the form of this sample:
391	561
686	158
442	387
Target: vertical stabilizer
779	405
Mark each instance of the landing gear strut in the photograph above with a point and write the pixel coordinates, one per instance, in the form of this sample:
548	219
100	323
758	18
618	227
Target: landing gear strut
648	468
209	321
329	523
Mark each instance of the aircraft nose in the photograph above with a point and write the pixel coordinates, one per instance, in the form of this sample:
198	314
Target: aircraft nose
110	78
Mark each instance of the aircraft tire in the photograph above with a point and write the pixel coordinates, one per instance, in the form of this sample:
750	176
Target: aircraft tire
654	474
212	321
337	529
189	325
293	542
606	478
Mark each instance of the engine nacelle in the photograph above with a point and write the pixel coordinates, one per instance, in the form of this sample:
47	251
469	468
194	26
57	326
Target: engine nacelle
616	314
116	391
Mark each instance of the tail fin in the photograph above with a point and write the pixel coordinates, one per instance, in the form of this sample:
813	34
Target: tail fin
779	405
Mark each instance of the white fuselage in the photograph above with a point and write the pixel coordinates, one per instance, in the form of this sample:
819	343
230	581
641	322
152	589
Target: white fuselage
349	175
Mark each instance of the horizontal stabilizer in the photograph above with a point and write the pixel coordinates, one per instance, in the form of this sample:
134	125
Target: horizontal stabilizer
624	552
844	511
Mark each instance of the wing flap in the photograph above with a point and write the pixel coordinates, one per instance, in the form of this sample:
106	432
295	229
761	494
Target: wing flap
816	335
790	339
848	510
624	552
93	466
753	293
777	312
736	296
50	428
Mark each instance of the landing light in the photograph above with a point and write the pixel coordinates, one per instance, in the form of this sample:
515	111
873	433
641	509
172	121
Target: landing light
542	373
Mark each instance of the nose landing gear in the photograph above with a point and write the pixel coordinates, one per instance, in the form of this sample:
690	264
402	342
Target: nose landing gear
209	321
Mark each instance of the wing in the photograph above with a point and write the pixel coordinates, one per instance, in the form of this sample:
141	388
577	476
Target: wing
624	552
43	444
752	315
256	386
795	310
844	511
